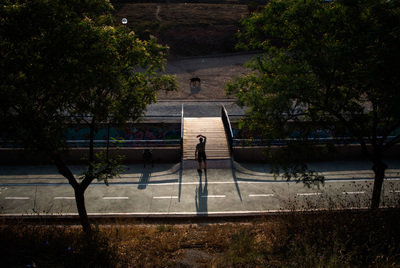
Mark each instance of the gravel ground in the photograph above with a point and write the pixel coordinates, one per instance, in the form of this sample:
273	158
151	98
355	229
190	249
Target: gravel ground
214	72
204	99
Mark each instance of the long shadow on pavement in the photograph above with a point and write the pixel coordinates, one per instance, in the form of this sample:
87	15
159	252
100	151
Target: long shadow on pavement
201	196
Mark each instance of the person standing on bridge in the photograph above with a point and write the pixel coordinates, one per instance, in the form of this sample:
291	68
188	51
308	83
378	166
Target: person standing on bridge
200	153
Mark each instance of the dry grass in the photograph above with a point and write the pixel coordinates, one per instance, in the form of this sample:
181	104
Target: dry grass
189	29
181	15
334	239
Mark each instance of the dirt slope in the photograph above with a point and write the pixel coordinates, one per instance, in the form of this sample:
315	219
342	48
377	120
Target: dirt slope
188	29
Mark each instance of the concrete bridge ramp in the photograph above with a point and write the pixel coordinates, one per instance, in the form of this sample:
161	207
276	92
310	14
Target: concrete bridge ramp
217	149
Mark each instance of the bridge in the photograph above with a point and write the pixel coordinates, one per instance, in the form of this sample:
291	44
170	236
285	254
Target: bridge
217	148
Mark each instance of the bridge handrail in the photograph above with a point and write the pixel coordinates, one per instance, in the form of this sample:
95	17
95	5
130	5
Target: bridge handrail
227	126
181	140
336	140
123	141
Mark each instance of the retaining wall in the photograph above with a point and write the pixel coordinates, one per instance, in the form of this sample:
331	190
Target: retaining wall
349	152
132	155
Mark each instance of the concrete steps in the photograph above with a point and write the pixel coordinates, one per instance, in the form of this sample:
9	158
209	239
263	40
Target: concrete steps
217	149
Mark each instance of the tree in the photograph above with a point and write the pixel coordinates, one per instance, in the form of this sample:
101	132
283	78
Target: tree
325	64
62	62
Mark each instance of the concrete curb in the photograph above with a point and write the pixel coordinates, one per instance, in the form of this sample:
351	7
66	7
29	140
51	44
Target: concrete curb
207	217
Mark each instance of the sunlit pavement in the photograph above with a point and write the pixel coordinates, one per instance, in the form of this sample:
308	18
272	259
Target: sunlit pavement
209	108
167	191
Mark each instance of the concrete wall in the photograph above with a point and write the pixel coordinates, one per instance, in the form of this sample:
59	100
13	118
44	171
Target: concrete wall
133	155
349	152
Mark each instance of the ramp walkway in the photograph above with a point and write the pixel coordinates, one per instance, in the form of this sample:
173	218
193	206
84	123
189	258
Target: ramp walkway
217	148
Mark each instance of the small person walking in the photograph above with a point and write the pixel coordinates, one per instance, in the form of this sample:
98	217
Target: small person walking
200	153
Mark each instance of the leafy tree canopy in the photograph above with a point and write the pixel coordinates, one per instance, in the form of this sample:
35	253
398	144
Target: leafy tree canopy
325	64
65	59
63	62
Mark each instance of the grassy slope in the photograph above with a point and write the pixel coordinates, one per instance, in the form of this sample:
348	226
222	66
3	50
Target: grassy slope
189	29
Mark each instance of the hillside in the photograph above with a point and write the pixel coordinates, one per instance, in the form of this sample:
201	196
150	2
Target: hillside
189	29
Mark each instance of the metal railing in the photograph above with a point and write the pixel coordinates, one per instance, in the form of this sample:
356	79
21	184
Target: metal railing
108	143
282	142
103	143
227	126
124	143
182	116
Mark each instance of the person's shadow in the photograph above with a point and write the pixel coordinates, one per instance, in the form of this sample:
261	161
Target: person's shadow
202	196
144	180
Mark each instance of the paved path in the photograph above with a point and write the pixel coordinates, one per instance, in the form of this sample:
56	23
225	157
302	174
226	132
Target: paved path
210	108
167	191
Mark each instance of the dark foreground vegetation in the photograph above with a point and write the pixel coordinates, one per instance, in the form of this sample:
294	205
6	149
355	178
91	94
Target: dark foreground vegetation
323	239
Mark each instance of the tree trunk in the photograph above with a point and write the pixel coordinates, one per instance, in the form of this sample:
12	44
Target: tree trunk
379	169
79	191
80	204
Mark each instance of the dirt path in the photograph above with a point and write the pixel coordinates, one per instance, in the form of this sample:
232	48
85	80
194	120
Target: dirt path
157	13
214	73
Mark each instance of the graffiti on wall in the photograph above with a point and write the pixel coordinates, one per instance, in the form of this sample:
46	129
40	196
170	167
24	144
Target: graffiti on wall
131	132
141	132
